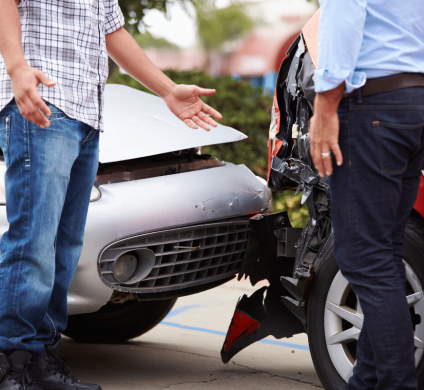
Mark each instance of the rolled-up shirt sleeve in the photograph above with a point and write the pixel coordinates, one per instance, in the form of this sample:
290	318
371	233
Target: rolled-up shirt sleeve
114	18
340	38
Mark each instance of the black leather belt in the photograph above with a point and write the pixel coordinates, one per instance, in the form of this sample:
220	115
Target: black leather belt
389	84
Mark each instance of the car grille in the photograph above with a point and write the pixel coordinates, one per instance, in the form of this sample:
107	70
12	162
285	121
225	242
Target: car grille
218	255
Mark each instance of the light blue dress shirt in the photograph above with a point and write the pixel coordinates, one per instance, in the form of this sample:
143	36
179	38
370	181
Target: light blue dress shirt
364	39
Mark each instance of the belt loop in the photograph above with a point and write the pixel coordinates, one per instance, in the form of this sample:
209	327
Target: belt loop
359	95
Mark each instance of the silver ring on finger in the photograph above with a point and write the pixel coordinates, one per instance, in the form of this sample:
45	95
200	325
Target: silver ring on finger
325	154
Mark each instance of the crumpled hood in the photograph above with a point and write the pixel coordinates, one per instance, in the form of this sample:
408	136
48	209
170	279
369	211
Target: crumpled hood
138	124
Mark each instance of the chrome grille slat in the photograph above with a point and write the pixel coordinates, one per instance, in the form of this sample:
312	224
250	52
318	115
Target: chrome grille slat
170	242
222	247
183	273
201	248
194	260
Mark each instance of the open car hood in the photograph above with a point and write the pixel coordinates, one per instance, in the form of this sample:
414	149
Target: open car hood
138	124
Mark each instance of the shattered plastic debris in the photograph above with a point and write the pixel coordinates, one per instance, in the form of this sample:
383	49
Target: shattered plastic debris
241	325
292	81
258	316
297	171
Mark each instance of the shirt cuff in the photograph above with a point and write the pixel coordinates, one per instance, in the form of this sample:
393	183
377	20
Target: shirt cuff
114	21
324	81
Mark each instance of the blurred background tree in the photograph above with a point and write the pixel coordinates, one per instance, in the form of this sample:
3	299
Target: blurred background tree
134	12
146	40
218	26
247	109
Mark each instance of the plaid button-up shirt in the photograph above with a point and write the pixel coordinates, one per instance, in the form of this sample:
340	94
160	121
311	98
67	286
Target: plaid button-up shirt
66	40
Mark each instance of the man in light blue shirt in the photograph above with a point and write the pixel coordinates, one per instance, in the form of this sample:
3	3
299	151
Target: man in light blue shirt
362	39
369	112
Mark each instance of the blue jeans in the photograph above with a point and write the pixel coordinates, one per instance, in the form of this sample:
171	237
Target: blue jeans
49	177
372	195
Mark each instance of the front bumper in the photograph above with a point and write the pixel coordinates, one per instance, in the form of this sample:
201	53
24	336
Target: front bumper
140	207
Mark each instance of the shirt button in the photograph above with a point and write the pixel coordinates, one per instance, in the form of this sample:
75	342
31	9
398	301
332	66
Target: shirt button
7	120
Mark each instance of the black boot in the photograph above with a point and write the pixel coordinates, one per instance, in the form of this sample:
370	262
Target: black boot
51	372
14	371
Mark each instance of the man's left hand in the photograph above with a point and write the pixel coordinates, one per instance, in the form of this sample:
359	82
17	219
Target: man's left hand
324	135
324	130
185	103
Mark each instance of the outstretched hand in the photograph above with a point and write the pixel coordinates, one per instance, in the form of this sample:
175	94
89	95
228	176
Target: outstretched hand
185	103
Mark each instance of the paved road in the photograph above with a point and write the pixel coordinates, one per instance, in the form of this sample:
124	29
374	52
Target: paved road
182	353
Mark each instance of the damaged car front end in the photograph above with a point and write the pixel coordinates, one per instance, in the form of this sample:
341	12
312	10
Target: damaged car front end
164	220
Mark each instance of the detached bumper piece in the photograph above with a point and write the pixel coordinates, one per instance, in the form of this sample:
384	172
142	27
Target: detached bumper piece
256	318
287	257
264	313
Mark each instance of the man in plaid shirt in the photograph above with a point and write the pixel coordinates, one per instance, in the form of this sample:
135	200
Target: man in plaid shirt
53	70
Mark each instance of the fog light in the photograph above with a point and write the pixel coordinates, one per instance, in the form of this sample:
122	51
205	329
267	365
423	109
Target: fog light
133	266
125	267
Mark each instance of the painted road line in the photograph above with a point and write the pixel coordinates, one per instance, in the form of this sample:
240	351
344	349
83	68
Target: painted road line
180	310
216	332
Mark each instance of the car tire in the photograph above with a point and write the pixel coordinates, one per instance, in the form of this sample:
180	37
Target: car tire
117	323
333	360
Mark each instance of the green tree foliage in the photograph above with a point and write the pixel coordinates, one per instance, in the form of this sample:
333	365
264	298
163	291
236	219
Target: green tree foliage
134	10
246	109
216	26
146	40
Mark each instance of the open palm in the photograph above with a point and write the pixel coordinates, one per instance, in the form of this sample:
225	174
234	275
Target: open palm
185	103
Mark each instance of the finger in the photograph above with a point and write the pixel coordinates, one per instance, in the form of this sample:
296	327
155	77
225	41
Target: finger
189	123
43	107
22	107
207	119
204	91
37	117
25	110
319	165
337	153
34	115
328	166
211	111
200	123
43	79
38	102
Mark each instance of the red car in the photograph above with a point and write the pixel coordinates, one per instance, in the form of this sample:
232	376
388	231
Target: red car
307	292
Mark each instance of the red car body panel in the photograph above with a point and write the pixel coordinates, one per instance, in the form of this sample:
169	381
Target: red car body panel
419	203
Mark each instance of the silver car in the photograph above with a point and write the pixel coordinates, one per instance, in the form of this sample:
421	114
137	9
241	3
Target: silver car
164	220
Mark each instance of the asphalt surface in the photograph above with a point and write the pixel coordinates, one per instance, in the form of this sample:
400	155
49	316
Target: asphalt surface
182	353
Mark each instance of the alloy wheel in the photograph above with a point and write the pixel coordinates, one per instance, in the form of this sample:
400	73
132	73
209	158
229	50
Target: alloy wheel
343	320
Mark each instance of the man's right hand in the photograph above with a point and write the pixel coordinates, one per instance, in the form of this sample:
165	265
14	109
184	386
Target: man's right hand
25	80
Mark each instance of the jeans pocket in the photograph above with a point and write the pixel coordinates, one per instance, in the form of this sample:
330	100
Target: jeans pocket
4	136
395	143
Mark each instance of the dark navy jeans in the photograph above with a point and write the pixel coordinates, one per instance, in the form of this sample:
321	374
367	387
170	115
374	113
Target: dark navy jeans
372	194
49	177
